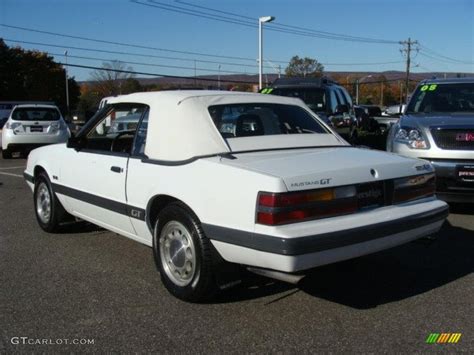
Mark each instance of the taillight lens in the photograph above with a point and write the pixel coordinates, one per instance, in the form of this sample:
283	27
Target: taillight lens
12	125
290	207
283	208
414	187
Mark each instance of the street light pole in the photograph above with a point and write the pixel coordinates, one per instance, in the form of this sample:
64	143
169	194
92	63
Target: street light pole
67	86
219	77
261	21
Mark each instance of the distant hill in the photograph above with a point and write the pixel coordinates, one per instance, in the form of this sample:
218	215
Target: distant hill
226	80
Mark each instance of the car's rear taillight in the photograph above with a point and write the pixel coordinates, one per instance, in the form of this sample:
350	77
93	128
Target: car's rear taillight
414	187
290	207
12	125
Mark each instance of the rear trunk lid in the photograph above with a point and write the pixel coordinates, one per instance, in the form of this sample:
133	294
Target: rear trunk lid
305	169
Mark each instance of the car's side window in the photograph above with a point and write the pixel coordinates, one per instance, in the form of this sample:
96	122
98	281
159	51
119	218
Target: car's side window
334	101
115	129
140	137
340	98
347	96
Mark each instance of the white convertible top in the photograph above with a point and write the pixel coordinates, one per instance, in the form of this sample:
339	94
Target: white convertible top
180	126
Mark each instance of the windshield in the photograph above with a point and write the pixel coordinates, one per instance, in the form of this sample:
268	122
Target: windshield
437	98
315	98
246	120
35	114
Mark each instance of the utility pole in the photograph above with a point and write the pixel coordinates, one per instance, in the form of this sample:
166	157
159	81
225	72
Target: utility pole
67	87
381	93
401	92
357	91
407	48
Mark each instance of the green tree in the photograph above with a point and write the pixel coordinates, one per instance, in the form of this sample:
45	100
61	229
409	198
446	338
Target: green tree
88	102
28	75
305	67
131	85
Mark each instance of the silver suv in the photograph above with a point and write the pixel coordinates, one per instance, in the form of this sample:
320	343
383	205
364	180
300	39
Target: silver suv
438	125
31	126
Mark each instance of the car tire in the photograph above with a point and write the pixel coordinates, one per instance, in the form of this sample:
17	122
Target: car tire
49	211
6	154
184	255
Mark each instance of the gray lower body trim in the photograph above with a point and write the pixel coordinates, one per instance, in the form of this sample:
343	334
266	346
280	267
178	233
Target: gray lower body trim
111	205
321	242
28	177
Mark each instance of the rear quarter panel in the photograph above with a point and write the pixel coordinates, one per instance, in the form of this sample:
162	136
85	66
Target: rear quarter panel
218	194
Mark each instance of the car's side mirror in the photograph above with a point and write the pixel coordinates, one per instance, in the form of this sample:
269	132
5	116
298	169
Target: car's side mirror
75	142
340	109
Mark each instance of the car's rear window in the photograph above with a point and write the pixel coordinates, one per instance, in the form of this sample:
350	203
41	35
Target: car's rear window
315	98
246	120
35	114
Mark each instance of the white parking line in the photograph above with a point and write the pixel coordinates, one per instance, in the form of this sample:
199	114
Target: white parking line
13	167
8	174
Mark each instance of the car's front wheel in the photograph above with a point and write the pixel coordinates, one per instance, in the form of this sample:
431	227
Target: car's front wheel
183	254
49	211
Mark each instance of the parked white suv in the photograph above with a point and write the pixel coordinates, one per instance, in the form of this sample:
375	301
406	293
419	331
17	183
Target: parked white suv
31	126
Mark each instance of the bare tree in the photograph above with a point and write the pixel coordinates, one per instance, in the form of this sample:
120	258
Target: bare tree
109	80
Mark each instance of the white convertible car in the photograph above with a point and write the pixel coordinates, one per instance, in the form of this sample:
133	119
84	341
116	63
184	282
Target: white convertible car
209	179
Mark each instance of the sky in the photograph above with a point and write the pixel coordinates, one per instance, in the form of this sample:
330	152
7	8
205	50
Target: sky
177	43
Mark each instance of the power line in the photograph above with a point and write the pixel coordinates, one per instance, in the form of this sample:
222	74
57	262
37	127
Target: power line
178	58
432	52
281	25
422	53
373	63
442	58
147	64
125	44
155	74
198	78
132	54
271	27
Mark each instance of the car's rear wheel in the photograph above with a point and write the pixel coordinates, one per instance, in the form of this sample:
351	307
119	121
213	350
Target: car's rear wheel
6	154
183	254
49	211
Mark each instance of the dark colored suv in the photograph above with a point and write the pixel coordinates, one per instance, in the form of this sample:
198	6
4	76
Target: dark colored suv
325	97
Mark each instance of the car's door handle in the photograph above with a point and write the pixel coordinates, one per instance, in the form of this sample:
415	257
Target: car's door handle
116	169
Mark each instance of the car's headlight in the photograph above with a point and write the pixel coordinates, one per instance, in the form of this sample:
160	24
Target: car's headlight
412	137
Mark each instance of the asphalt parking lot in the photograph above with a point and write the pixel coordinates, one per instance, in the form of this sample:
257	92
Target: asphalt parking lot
88	284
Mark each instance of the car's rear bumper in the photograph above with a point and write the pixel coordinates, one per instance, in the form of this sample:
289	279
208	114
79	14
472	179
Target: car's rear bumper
17	141
305	252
